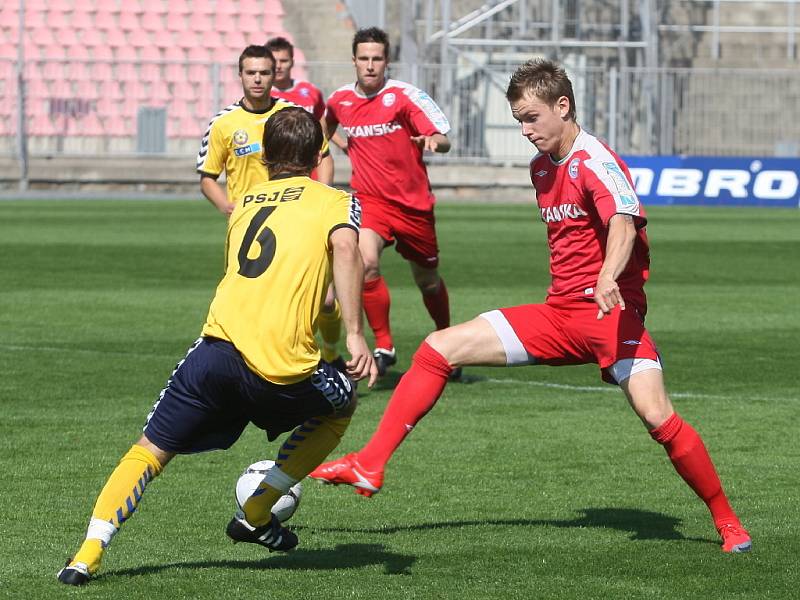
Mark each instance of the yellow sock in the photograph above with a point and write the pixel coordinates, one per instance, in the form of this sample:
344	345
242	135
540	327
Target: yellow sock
330	328
300	454
117	502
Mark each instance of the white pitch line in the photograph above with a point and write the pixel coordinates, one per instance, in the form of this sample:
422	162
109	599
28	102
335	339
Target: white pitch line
615	389
19	348
541	384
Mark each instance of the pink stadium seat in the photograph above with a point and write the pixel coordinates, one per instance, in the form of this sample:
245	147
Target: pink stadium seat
250	24
225	23
139	39
102	52
90	37
150	71
178	7
251	7
175	54
103	19
102	72
90	125
199	23
56	18
66	36
152	22
118	127
175	72
42	36
212	40
34	19
53	52
150	52
82	20
176	22
159	92
199	73
78	52
206	7
8	51
129	21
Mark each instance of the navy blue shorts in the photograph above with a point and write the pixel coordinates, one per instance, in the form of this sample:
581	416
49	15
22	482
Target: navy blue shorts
212	395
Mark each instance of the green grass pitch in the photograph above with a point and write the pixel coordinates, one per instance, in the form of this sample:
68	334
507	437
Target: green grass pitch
522	483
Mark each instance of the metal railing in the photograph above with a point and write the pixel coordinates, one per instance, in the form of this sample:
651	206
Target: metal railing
640	111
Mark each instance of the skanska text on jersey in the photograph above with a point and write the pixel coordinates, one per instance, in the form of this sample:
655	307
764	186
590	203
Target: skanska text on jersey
373	130
554	214
285	195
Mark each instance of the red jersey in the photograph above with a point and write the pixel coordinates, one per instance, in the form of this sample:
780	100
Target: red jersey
577	196
386	163
303	94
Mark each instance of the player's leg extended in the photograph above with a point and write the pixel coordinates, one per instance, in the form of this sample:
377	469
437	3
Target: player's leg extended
327	390
115	504
434	294
301	453
471	343
330	327
377	300
648	397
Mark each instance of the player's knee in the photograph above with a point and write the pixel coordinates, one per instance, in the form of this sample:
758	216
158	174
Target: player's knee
372	270
429	287
442	341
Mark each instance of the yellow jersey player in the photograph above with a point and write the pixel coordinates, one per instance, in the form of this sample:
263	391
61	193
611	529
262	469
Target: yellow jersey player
232	142
257	360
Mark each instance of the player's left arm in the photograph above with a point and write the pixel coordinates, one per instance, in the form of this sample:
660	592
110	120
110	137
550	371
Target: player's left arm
619	247
428	121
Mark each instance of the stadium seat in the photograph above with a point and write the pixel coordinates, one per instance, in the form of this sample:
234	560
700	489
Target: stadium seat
150	71
90	37
104	19
34	19
152	21
199	23
66	36
78	52
150	53
42	36
82	20
250	24
129	21
56	18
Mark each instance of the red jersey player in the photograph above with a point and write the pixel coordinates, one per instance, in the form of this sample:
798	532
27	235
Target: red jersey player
389	124
298	91
593	313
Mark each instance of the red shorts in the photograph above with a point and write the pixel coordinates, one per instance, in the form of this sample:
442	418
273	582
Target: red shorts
413	230
567	332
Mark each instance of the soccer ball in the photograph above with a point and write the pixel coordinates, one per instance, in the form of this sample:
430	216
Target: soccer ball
248	482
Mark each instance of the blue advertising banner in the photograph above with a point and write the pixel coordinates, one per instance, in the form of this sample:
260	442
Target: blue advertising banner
716	181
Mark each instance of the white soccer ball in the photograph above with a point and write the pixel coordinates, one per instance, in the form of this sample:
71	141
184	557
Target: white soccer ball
253	475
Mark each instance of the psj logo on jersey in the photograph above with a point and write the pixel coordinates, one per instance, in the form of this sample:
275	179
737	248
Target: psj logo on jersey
668	180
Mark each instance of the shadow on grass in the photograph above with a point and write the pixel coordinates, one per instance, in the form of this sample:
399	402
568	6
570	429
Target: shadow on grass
392	378
640	524
343	556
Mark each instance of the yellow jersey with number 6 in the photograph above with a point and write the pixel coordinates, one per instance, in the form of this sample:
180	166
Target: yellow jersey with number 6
277	270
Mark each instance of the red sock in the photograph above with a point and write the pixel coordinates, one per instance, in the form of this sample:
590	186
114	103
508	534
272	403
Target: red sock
414	396
438	306
376	306
688	454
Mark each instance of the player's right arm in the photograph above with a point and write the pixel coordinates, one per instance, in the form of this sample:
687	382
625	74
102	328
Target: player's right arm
210	163
348	279
215	193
